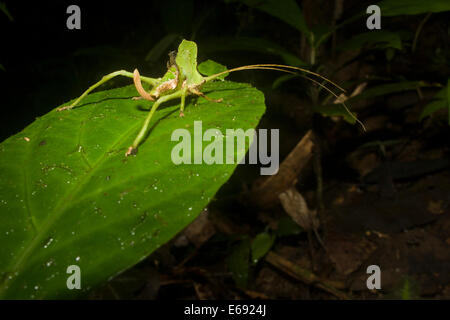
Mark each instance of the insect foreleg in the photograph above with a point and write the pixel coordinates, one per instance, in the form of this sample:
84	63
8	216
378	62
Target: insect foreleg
143	132
140	89
183	100
106	78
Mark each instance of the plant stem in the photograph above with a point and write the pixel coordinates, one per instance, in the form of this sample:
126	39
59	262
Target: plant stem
419	29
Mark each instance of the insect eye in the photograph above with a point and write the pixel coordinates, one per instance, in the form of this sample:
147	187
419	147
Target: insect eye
172	57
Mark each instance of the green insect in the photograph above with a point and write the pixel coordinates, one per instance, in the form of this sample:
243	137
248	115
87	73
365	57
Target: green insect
182	79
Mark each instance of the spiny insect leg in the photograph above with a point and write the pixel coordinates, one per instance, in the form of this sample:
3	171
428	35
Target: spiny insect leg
144	130
103	80
201	94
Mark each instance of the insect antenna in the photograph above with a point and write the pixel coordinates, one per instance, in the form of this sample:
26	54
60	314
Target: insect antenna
289	69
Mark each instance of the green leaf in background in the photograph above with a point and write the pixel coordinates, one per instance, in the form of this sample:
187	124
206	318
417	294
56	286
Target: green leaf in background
432	107
335	110
251	44
161	47
411	7
69	196
288	12
448	100
287	227
261	244
381	90
442	100
177	16
384	89
210	67
238	262
5	10
379	38
382	144
2	67
321	33
390	54
282	79
406	288
331	110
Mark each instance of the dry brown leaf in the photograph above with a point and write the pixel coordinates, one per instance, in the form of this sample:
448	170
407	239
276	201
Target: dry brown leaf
342	97
295	206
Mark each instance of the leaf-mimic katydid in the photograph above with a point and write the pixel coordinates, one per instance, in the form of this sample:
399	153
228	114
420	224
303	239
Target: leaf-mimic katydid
182	79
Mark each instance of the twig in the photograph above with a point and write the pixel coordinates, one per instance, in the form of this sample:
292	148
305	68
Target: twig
266	194
419	29
305	276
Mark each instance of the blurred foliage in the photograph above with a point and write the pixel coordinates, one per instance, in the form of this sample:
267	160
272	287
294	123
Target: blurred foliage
5	10
161	48
261	244
317	36
377	39
245	254
412	7
238	262
406	289
289	12
441	101
259	45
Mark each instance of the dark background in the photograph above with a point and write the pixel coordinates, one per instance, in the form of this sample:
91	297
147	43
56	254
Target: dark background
47	64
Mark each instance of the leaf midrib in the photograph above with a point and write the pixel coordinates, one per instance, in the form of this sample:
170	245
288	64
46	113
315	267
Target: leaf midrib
18	263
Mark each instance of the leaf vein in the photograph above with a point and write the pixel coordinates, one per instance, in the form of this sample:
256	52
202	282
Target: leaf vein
60	207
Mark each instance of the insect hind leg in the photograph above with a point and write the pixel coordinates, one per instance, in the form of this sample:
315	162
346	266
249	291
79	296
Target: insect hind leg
201	94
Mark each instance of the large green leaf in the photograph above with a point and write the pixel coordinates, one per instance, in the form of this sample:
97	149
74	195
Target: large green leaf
69	196
412	7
